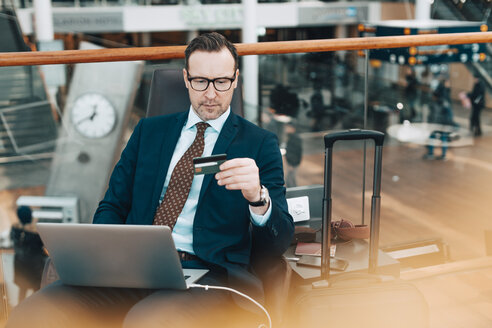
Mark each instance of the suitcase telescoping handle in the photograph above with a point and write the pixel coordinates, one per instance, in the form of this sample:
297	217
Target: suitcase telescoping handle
352	134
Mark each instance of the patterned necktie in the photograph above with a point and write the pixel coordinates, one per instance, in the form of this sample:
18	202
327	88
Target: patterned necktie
180	182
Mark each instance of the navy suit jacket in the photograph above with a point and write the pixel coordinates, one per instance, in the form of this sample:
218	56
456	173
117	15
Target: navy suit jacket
222	229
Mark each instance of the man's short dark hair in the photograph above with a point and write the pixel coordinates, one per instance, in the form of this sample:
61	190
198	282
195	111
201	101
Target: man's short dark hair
210	42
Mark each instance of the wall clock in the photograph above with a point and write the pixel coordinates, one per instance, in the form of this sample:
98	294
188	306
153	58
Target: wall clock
93	115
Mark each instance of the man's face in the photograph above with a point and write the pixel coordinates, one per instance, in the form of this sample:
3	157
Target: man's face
210	103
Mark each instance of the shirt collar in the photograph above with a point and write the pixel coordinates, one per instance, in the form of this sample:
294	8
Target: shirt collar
216	124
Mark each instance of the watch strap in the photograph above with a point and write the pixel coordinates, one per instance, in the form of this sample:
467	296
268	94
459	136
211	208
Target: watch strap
261	202
263	198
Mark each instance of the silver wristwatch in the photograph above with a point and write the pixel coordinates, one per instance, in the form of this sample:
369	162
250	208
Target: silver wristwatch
263	198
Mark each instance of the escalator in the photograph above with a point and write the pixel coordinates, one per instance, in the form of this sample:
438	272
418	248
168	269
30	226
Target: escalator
27	126
471	10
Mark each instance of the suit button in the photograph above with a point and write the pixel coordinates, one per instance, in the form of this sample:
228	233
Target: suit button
275	232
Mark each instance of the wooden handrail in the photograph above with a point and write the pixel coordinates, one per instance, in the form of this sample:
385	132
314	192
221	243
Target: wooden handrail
244	49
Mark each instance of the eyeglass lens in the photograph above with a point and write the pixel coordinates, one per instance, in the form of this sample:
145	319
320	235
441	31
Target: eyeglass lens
201	84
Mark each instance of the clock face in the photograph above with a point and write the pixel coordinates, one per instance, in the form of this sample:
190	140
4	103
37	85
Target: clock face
93	116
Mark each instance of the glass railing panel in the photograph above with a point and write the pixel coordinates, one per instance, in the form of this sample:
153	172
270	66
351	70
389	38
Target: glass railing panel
311	94
435	162
79	159
27	122
60	147
28	136
424	198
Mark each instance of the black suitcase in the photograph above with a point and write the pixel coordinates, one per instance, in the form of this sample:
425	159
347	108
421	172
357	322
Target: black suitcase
353	300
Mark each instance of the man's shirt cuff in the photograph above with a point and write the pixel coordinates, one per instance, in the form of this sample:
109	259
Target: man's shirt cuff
261	220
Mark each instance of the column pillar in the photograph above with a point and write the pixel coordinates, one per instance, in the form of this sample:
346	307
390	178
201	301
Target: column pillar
250	63
43	20
423	10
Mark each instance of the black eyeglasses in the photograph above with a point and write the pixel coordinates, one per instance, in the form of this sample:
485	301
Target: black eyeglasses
202	83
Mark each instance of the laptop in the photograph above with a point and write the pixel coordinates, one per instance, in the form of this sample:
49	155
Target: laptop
116	255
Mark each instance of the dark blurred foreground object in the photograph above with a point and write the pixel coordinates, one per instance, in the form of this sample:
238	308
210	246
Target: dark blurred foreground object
29	257
23	234
24	213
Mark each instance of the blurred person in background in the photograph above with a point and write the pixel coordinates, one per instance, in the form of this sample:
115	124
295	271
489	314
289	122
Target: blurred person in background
411	93
293	154
477	99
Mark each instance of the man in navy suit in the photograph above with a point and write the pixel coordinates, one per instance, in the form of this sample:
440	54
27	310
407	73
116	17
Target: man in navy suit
227	218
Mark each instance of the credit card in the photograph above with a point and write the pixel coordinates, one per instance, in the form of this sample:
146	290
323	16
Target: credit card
208	164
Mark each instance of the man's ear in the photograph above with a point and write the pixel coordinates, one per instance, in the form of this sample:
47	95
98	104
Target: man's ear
237	78
185	78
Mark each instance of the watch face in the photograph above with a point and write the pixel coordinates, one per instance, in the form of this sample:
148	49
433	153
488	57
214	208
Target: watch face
93	116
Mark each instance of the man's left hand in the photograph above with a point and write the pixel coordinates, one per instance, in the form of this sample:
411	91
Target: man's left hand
241	174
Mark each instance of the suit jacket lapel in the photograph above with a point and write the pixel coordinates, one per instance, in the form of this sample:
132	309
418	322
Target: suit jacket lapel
170	137
226	136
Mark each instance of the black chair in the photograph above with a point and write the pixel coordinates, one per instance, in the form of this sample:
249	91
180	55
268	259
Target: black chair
168	94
